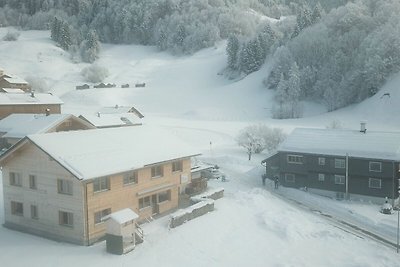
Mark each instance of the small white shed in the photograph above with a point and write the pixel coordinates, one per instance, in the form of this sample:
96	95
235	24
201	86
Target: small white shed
122	231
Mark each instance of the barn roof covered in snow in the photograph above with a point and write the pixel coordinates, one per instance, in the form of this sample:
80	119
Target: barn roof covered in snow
339	142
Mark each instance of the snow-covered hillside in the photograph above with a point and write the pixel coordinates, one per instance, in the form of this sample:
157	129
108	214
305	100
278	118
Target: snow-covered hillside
250	226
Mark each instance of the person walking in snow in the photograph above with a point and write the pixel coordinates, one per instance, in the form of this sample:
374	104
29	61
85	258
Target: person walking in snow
276	181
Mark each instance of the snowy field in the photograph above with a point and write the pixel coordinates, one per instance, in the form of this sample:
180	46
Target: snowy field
251	226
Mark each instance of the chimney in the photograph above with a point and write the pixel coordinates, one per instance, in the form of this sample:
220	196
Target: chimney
362	126
32	93
47	111
98	114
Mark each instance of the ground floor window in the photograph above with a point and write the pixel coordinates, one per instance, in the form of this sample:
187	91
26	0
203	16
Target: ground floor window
340	179
321	177
375	183
144	202
17	208
100	214
34	212
66	218
289	177
164	196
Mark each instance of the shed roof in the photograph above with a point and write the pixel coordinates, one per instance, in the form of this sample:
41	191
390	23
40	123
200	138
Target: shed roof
100	152
28	99
123	216
339	142
21	125
13	90
15	79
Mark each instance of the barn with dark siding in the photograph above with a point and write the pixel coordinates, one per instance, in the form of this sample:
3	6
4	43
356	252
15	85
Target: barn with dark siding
339	163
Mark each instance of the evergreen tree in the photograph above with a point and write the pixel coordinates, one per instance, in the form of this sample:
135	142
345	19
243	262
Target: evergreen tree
55	29
65	38
90	47
232	50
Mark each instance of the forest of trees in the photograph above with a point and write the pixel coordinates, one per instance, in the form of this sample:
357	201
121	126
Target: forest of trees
338	57
335	51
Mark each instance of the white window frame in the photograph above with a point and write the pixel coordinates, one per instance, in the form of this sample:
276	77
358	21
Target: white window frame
157	171
143	203
32	181
321	161
100	214
371	180
101	184
340	179
292	178
340	163
67	221
64	187
15	179
295	159
371	163
321	177
131	178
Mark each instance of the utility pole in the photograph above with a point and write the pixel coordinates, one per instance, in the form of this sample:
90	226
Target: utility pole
347	176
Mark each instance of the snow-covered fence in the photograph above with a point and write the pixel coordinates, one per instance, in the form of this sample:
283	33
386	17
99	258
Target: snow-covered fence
212	194
194	211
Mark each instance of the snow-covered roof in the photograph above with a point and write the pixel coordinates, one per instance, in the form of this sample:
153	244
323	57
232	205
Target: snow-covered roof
100	152
123	216
21	125
13	90
15	79
110	120
339	142
27	98
120	110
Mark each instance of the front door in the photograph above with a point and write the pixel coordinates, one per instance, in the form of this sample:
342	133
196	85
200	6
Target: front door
154	203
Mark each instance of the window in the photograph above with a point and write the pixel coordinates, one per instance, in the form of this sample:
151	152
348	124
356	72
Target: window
289	177
66	218
101	184
34	212
100	214
130	178
15	179
340	163
321	161
32	182
295	159
144	202
164	196
375	183
321	177
157	171
340	179
375	166
177	166
64	187
17	208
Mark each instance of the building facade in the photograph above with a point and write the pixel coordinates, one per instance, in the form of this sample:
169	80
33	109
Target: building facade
339	163
46	193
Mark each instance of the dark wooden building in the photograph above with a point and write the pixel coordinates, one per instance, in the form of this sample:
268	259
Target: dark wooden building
339	163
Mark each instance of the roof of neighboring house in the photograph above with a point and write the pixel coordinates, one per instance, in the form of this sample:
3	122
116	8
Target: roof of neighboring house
339	142
28	99
14	79
120	110
13	90
21	125
110	120
100	152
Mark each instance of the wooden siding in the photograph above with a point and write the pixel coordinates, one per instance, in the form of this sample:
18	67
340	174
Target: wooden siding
32	161
306	174
121	196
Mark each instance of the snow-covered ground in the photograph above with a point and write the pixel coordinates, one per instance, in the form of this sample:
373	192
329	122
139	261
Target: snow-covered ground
251	226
